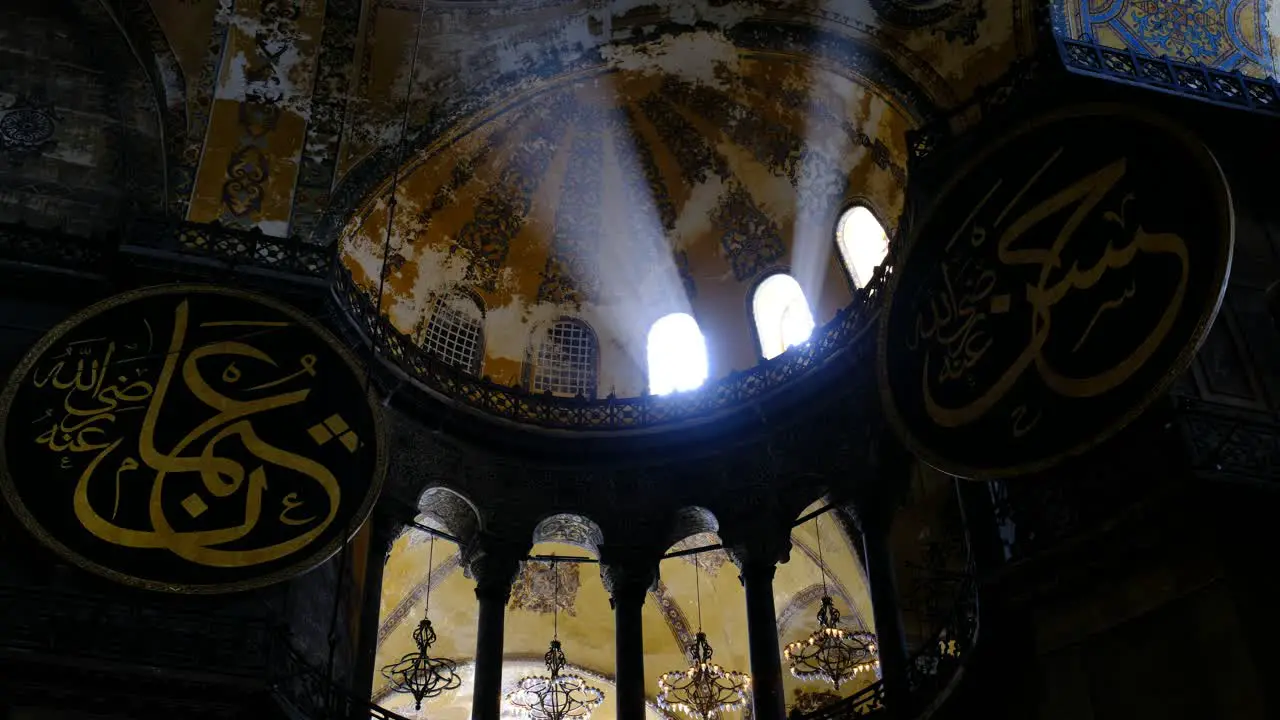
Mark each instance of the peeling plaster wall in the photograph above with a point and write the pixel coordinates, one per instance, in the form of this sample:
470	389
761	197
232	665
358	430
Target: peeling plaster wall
260	110
619	196
79	131
257	71
470	47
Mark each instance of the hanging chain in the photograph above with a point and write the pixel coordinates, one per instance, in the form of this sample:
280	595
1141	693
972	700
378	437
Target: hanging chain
395	180
431	555
822	565
697	587
555	601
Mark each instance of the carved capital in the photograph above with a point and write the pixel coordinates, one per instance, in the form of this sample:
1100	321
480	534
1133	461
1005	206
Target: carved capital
628	575
493	564
758	554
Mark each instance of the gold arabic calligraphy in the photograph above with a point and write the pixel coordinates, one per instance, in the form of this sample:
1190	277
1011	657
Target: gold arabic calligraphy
91	408
954	323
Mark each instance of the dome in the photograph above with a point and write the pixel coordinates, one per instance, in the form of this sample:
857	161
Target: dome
665	181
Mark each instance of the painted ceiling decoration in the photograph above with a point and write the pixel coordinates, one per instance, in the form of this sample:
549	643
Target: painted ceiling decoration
626	192
1226	35
536	585
280	115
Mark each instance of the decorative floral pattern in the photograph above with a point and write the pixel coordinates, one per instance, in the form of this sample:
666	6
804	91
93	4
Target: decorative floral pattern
1181	30
1221	34
535	587
571	275
27	129
749	237
710	562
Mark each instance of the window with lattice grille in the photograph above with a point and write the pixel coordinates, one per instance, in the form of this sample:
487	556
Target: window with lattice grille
453	334
566	362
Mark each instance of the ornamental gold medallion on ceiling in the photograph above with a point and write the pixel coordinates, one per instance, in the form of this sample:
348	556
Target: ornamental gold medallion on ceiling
1060	283
191	438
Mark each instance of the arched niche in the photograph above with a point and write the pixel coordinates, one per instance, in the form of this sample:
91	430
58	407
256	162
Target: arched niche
447	510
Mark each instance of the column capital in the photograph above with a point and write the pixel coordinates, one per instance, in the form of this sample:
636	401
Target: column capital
757	541
628	573
493	564
760	552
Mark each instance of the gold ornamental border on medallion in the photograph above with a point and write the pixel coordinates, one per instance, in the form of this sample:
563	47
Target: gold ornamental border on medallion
1220	206
309	558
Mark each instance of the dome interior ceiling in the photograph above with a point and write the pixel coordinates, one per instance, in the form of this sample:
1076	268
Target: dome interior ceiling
620	195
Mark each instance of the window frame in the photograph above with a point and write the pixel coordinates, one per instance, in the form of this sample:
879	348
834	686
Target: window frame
751	309
451	296
648	369
853	203
539	336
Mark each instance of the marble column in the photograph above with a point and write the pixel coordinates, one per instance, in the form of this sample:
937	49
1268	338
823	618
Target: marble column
383	531
891	639
874	507
757	560
494	570
628	577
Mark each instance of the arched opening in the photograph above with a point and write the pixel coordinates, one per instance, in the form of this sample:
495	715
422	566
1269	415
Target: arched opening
677	355
565	360
781	313
863	243
454	332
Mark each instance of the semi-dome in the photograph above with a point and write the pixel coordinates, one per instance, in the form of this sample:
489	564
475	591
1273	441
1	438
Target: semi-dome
555	228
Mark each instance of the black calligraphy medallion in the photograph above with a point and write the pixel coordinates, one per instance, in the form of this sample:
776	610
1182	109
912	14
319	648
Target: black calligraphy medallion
191	438
1058	286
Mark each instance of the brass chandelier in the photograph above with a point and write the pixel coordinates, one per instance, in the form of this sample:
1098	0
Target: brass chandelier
555	696
417	673
705	689
831	653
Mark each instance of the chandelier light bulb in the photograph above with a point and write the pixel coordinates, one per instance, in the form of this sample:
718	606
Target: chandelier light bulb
832	654
704	690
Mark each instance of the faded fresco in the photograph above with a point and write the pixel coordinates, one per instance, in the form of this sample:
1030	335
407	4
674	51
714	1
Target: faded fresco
672	184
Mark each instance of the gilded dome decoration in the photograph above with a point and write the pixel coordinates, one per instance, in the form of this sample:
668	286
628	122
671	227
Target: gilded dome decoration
672	179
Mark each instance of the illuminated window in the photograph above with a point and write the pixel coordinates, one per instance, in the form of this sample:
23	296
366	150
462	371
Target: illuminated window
862	242
677	355
566	360
453	333
781	313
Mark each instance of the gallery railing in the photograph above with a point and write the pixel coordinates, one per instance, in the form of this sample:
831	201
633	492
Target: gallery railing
236	247
53	248
1085	56
609	413
931	674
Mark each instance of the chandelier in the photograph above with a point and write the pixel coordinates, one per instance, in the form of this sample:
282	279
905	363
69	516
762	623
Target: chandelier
555	696
417	673
831	653
705	689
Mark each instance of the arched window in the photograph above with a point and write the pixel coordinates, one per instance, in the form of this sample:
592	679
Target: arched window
781	313
565	363
677	355
453	333
862	242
